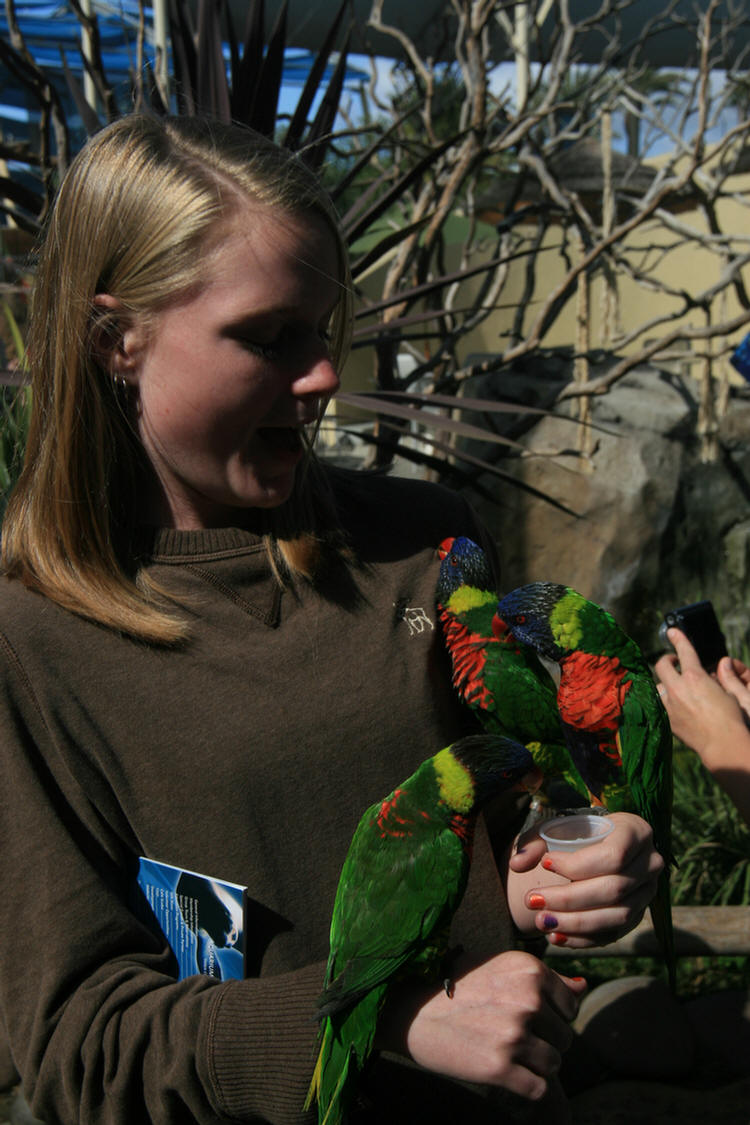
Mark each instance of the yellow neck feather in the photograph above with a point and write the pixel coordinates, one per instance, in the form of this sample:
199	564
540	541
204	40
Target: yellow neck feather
468	597
565	621
455	783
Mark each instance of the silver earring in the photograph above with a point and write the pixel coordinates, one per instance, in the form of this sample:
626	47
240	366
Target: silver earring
122	389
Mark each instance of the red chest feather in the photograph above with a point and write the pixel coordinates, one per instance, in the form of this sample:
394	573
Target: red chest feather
389	820
592	691
463	827
468	657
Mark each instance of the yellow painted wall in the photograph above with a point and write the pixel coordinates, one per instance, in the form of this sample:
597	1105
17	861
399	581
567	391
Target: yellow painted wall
679	263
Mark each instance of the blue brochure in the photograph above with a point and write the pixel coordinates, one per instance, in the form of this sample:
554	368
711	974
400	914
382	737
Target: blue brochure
202	918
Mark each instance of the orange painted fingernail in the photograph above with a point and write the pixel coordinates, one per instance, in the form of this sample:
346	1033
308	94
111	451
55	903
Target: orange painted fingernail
547	863
557	939
536	902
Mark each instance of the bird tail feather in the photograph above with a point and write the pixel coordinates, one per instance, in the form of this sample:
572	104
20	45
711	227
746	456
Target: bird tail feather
330	1104
661	918
334	1113
314	1091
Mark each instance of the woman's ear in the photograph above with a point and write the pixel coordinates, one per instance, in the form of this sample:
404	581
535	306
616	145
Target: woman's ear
115	339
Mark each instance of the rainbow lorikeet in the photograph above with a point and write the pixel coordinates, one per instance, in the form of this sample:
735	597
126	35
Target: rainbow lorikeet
615	724
504	683
403	878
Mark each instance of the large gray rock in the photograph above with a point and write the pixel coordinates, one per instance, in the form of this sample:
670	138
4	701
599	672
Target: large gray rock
637	1029
629	1102
648	525
8	1072
720	1024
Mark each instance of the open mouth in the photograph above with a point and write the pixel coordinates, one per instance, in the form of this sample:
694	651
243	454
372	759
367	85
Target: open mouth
287	438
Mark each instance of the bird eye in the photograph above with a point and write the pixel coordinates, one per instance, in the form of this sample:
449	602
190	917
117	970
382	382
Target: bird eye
521	619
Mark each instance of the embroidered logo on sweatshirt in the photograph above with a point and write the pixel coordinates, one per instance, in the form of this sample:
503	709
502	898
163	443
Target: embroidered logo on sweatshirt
415	617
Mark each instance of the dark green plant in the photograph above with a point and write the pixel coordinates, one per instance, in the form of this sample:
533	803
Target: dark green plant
710	839
15	413
695	975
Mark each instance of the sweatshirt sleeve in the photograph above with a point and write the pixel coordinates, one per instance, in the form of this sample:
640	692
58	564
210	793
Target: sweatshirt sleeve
99	1028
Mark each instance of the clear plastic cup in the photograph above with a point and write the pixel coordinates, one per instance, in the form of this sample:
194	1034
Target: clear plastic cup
575	830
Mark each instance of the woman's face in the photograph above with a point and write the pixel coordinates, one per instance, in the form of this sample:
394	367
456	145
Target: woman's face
226	379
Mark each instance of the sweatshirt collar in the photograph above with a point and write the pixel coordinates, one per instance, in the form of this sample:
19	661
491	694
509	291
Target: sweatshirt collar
232	561
169	545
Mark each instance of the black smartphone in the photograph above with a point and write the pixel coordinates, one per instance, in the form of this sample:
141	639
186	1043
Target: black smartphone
701	627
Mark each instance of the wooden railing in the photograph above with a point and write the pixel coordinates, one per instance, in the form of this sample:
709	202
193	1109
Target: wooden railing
699	931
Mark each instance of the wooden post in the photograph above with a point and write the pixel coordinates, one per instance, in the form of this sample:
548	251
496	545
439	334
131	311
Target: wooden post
609	289
89	89
581	361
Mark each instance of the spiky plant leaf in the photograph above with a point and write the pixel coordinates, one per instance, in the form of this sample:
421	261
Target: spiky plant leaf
711	841
212	91
246	67
298	123
266	102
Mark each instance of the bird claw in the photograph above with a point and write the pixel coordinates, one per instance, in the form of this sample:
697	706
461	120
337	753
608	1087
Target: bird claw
450	987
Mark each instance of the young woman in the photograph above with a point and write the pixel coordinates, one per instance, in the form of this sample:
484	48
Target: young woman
215	653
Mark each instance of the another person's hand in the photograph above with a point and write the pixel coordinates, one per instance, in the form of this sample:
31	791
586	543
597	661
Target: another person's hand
704	711
504	1022
610	885
709	714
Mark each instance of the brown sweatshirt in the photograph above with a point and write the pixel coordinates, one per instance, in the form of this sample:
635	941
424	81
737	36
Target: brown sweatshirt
248	754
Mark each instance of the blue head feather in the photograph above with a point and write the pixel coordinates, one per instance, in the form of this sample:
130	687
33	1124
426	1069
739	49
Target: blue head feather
740	360
464	563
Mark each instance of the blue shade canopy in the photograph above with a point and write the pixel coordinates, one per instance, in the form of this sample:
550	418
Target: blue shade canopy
671	40
50	27
51	31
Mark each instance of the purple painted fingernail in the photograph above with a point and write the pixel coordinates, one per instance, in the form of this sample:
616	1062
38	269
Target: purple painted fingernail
549	922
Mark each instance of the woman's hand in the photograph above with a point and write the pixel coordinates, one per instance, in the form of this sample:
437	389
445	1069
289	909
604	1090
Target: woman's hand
705	712
504	1022
604	891
710	714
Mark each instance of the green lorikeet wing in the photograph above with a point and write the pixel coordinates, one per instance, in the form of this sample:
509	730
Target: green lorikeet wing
403	877
615	724
402	880
502	682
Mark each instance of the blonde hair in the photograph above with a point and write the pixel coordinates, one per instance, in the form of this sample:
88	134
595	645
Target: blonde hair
131	219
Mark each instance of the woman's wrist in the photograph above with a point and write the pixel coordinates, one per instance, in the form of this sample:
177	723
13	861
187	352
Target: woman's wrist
401	1007
729	750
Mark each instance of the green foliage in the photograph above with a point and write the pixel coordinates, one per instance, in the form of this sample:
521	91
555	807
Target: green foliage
448	99
710	839
15	412
695	975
